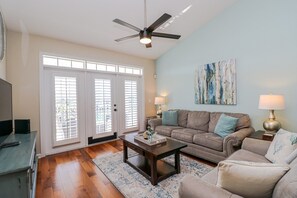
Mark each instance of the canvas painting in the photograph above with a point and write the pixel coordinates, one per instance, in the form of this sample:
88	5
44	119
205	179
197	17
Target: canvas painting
215	83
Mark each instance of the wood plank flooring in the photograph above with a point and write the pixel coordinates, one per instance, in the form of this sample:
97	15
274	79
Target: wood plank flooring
73	174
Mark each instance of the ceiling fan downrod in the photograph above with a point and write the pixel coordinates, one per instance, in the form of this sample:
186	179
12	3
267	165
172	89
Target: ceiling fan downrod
145	15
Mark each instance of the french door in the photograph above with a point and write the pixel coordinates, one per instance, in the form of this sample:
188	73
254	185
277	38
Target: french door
101	105
78	105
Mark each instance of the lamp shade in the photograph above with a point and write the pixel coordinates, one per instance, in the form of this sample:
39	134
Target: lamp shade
271	102
159	100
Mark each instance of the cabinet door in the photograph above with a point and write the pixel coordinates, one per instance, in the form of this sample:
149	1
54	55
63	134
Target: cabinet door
16	185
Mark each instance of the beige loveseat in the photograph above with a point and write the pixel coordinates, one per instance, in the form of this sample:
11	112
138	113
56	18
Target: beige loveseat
253	150
196	129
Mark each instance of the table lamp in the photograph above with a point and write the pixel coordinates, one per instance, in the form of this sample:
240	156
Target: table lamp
271	103
159	101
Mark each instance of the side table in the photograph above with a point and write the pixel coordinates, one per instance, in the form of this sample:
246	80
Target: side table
261	135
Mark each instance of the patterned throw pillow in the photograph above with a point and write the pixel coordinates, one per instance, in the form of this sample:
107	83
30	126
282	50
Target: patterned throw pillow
283	144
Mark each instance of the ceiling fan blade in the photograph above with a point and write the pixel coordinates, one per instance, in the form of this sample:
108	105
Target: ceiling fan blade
164	35
148	45
119	21
127	37
159	22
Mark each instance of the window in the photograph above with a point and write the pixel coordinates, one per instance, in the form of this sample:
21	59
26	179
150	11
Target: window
103	106
88	65
130	70
131	112
91	66
65	108
50	61
77	64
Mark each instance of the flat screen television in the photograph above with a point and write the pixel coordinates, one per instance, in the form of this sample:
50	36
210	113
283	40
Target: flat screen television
6	118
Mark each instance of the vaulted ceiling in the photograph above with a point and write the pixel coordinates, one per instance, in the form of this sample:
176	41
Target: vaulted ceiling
89	22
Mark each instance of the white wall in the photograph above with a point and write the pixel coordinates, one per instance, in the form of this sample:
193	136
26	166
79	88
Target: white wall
23	70
3	62
261	35
3	68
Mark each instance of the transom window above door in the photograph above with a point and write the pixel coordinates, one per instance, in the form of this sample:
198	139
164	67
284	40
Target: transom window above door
69	63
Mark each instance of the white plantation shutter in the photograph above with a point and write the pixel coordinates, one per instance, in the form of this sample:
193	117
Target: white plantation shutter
131	104
66	109
103	109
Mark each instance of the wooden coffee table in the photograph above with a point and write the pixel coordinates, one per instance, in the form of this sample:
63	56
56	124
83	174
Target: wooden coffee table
148	161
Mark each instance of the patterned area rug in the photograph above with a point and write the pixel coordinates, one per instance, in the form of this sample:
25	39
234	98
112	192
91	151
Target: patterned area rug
132	184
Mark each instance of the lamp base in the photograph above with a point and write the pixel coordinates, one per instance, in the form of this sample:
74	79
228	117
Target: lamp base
271	125
159	114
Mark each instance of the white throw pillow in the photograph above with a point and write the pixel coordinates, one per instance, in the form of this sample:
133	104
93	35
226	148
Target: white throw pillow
250	179
283	144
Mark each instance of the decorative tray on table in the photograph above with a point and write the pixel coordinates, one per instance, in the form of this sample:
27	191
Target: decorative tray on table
156	139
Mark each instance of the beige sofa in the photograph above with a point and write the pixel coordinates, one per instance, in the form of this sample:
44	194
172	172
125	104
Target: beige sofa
253	150
196	129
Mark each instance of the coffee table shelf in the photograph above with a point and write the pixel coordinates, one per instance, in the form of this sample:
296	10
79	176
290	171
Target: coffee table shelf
142	165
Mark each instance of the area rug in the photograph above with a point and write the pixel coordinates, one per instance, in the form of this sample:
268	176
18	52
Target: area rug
132	184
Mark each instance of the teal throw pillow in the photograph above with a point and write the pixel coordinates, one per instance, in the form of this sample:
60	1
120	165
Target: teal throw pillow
169	118
226	125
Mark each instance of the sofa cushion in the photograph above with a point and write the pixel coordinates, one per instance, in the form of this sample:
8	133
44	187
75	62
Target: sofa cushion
287	185
198	120
250	179
185	134
182	118
209	140
226	125
291	157
193	187
169	118
242	155
166	130
283	144
243	121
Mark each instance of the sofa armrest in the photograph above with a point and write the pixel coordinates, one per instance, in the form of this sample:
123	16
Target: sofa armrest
194	187
155	122
235	139
256	146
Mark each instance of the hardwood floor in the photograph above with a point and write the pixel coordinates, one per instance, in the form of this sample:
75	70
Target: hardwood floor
73	174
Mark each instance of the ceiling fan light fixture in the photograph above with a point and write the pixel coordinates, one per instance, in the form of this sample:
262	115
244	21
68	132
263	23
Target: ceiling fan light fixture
145	35
145	38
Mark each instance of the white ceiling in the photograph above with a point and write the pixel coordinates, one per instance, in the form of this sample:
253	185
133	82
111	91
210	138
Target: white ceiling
89	22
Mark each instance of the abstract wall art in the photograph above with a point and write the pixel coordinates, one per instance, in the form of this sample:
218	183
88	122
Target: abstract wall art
215	83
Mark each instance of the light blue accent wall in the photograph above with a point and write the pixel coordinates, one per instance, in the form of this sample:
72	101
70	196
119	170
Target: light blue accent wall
262	36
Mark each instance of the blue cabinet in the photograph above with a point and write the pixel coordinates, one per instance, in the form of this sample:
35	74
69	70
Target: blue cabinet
18	167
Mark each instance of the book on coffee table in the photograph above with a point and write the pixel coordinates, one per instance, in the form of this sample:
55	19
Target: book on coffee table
156	139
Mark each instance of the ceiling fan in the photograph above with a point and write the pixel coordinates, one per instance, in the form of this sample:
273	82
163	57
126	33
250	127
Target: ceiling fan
146	34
